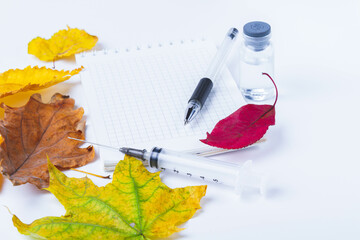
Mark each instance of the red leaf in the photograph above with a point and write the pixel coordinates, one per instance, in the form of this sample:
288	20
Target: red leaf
244	127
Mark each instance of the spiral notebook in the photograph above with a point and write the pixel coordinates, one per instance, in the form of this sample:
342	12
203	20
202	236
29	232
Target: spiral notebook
137	97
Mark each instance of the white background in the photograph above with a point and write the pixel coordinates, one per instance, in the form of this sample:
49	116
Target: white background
311	154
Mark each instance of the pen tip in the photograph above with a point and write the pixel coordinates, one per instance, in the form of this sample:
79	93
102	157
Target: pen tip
185	122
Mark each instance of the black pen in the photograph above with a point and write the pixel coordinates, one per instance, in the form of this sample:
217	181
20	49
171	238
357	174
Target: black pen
201	92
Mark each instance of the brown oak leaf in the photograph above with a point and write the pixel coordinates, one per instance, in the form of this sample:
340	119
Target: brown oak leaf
37	130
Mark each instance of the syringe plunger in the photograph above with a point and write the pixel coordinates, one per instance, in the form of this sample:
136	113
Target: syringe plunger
247	178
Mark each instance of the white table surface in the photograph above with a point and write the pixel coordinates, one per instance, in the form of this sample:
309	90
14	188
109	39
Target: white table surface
311	154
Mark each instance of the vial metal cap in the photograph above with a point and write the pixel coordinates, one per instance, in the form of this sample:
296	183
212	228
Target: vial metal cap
257	29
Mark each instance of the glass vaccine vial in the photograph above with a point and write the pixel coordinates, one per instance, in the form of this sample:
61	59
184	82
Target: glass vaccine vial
257	57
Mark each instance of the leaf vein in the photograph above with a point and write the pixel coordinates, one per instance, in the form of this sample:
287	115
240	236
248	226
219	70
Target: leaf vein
42	135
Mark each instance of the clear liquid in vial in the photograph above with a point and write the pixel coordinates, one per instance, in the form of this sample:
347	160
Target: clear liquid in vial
255	86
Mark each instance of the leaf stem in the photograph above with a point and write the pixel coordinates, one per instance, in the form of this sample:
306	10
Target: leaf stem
92	174
273	106
277	93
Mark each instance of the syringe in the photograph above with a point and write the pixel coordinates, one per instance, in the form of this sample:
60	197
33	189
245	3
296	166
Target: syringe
239	177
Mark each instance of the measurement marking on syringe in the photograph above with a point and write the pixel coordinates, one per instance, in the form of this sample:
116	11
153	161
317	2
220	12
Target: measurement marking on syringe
189	174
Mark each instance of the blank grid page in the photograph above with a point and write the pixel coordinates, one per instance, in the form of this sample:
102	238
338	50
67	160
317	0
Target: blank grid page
140	96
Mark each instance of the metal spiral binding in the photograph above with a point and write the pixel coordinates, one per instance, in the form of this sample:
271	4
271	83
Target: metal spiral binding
138	47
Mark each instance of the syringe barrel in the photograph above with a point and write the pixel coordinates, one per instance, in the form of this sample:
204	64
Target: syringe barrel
231	174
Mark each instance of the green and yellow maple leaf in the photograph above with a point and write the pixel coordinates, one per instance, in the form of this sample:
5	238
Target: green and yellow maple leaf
135	205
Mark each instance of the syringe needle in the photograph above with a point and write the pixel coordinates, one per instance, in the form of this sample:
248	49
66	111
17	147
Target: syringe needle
138	153
96	144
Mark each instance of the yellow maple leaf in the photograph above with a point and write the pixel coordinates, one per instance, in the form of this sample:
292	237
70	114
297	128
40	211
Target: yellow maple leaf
64	43
136	205
31	78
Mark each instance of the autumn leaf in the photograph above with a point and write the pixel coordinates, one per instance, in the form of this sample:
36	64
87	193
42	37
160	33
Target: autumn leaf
32	78
37	130
64	43
1	177
135	205
244	127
